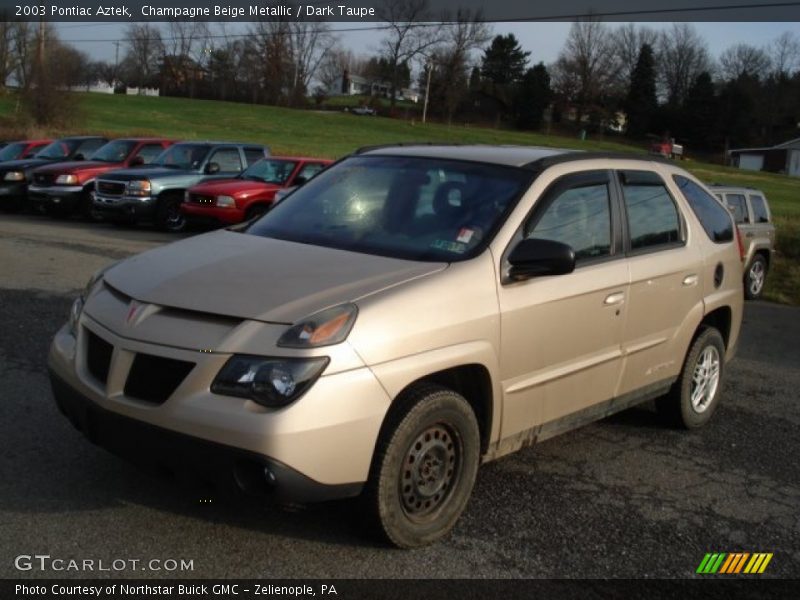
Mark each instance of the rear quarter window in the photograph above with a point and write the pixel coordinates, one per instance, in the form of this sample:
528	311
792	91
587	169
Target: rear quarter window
760	212
716	220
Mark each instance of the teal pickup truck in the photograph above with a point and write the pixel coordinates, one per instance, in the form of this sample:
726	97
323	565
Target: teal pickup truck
154	193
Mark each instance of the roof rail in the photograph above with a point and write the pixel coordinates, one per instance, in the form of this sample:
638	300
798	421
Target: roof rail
363	149
571	155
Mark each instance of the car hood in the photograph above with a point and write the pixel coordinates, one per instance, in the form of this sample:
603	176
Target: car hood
78	166
24	164
147	173
252	277
237	188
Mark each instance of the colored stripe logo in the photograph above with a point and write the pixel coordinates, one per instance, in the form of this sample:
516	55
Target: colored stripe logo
732	563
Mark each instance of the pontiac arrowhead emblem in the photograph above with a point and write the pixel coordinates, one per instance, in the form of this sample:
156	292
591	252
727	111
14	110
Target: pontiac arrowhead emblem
133	312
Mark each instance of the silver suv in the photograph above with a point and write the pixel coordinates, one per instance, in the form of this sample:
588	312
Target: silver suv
754	220
406	315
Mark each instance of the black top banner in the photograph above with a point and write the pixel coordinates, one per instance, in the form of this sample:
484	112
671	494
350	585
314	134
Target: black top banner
399	10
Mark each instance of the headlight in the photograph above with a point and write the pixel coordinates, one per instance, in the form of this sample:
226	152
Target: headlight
225	202
324	328
80	301
272	382
14	176
139	188
67	179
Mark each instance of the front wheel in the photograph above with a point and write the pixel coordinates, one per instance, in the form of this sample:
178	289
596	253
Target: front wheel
424	467
168	214
755	277
695	395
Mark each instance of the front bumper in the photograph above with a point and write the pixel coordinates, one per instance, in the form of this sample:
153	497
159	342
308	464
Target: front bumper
12	191
134	208
65	196
212	214
318	448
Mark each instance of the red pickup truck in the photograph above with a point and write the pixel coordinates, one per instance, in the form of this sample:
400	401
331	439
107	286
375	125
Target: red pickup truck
61	188
21	149
250	194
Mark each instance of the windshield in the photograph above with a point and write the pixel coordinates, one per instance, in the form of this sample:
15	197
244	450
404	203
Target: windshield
58	149
415	208
114	152
12	151
188	157
270	171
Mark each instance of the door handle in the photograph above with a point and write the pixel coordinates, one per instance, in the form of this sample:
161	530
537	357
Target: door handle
616	298
690	280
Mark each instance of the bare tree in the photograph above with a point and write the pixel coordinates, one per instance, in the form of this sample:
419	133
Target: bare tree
7	58
784	53
585	66
335	62
681	56
409	35
743	59
308	43
145	53
452	58
626	43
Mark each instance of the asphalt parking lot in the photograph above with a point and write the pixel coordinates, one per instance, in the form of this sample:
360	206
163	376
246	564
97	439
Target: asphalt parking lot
624	497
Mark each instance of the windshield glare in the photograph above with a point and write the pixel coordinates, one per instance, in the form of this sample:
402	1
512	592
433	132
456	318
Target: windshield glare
270	171
114	152
58	149
415	208
188	157
11	152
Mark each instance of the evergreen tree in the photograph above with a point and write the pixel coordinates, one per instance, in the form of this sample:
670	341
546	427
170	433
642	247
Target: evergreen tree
532	97
475	79
504	61
640	103
700	113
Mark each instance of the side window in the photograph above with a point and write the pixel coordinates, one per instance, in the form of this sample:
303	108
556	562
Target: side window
715	218
579	216
738	206
653	218
148	152
307	172
88	147
253	154
228	160
760	213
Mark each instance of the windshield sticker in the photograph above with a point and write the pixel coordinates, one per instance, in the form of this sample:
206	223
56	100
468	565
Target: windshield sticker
457	247
465	235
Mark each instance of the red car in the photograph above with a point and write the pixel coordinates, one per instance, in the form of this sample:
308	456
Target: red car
21	149
63	187
250	194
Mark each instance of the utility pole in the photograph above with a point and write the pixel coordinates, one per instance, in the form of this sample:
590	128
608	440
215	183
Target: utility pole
427	91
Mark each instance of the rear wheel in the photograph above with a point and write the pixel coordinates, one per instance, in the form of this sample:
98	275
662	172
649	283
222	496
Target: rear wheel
695	396
168	213
755	277
424	467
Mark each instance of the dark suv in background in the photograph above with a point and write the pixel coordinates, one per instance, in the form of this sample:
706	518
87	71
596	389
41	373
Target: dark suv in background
155	193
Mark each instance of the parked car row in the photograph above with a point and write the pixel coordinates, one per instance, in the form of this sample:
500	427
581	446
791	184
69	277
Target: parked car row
151	180
170	183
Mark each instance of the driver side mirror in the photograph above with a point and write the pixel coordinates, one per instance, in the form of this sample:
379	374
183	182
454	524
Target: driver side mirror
212	168
137	161
534	258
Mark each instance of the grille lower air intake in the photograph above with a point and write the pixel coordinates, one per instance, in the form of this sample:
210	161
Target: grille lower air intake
98	356
154	378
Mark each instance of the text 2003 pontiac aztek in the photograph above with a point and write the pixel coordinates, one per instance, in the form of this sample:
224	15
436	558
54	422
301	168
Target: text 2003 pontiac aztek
407	314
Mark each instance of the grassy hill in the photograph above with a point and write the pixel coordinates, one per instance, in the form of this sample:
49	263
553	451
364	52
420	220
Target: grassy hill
334	134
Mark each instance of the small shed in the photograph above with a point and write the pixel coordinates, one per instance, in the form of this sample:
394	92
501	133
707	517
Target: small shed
782	158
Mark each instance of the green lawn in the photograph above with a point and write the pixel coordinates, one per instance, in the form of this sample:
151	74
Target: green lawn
334	134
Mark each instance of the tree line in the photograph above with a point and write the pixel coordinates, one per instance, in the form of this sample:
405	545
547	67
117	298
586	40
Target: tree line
632	79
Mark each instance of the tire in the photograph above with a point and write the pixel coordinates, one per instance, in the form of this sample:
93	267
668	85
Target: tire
412	498
86	207
691	404
254	212
168	214
755	277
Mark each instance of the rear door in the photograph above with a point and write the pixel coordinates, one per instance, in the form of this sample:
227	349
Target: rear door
763	231
561	335
742	216
666	286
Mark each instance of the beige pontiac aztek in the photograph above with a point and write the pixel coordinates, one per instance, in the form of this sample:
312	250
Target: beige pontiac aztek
408	314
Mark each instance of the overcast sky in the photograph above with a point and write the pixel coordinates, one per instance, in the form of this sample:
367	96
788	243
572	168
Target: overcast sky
543	40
